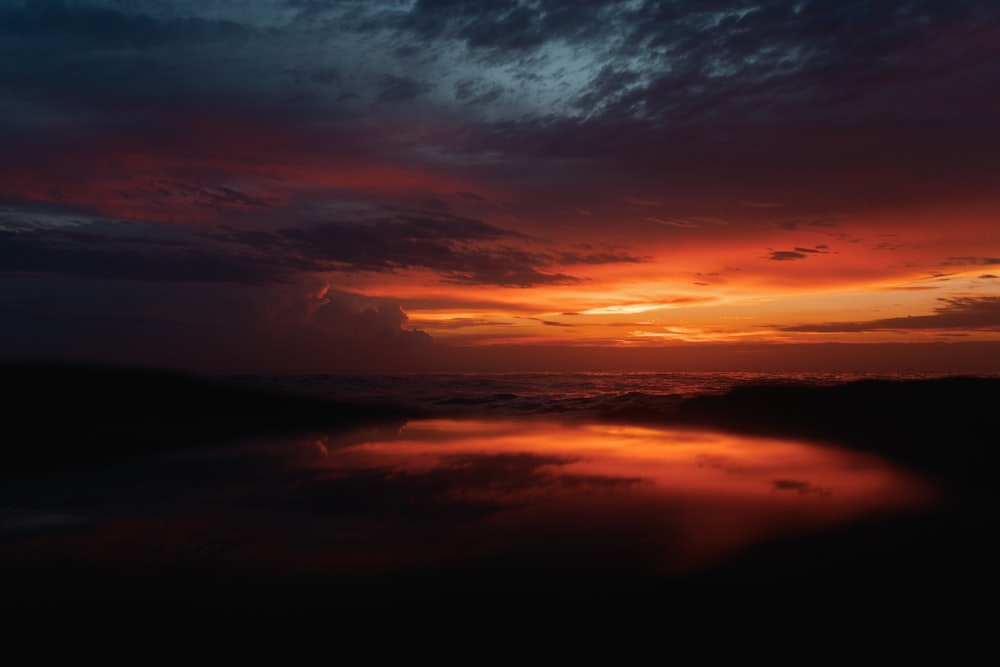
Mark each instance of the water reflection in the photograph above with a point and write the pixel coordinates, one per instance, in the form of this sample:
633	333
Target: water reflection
470	500
677	499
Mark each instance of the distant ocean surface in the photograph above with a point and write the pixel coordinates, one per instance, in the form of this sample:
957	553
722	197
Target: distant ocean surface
581	394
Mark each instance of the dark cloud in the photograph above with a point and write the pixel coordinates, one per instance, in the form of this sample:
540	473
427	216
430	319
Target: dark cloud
607	257
82	253
435	204
296	326
971	261
82	25
505	28
722	85
798	253
471	91
651	60
651	92
80	55
551	323
460	250
785	255
955	313
400	89
369	333
464	322
325	75
340	314
218	197
800	487
798	223
511	268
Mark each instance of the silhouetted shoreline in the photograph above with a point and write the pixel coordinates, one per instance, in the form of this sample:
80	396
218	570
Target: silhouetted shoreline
73	421
74	415
945	426
85	414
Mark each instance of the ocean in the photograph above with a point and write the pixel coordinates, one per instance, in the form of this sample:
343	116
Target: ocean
561	394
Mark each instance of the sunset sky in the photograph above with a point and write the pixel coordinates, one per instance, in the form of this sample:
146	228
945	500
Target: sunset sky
323	185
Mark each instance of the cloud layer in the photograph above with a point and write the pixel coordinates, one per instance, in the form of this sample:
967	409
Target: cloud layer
561	156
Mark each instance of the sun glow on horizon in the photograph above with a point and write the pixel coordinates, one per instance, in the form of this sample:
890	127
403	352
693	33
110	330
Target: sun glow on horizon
869	311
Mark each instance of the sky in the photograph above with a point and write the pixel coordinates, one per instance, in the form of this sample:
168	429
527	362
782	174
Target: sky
386	185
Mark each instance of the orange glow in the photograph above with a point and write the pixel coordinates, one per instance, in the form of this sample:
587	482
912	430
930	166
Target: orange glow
700	285
437	494
701	496
720	279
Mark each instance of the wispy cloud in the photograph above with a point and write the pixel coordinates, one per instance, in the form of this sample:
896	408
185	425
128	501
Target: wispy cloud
967	313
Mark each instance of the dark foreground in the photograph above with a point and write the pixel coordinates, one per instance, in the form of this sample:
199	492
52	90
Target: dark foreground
103	508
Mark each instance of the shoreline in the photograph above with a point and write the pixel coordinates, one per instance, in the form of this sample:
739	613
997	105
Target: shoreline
88	414
941	428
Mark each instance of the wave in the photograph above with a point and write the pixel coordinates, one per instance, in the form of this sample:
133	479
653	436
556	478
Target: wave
600	395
